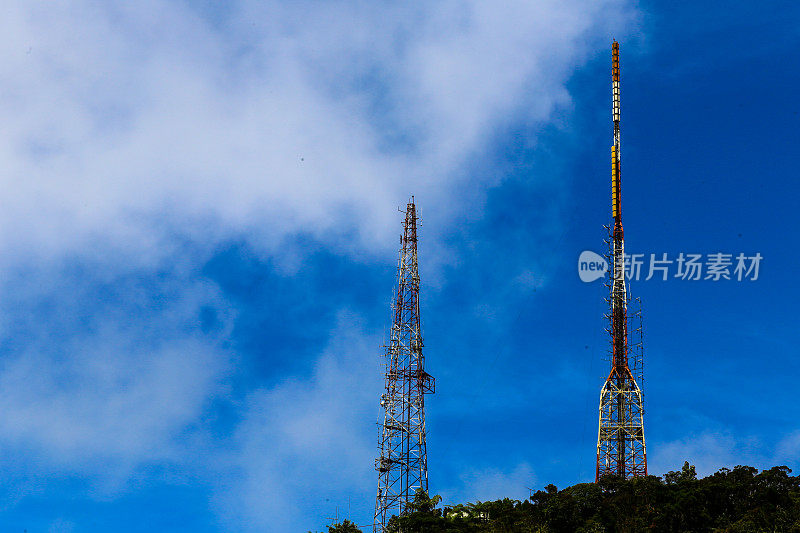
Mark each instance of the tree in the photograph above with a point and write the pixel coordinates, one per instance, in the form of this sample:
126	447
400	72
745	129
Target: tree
344	527
738	500
420	516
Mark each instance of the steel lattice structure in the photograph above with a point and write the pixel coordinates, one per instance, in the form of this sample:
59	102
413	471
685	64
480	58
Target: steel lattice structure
403	461
620	437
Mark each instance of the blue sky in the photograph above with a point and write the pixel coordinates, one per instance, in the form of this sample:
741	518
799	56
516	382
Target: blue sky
199	233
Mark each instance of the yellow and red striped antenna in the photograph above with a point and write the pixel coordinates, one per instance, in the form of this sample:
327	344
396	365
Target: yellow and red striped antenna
616	178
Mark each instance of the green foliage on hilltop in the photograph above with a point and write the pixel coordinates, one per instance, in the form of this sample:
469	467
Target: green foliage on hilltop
344	527
738	500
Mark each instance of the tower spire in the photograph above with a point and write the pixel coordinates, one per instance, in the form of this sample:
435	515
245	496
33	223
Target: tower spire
616	184
620	437
403	461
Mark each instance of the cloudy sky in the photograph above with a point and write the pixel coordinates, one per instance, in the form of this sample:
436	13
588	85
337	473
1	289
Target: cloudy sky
198	230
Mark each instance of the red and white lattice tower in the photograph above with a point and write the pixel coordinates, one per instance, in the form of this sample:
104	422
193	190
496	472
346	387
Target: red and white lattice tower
403	461
620	437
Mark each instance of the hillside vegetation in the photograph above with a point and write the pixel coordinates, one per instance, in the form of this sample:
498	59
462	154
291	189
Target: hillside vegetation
738	500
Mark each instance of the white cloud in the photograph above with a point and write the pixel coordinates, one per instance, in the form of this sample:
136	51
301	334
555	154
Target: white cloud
62	526
707	451
273	123
711	450
787	451
131	127
101	372
306	437
492	484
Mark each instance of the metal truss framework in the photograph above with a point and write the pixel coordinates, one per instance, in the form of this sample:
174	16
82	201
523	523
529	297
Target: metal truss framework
403	461
621	447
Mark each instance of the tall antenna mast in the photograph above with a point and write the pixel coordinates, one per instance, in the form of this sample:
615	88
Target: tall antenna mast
620	437
403	461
